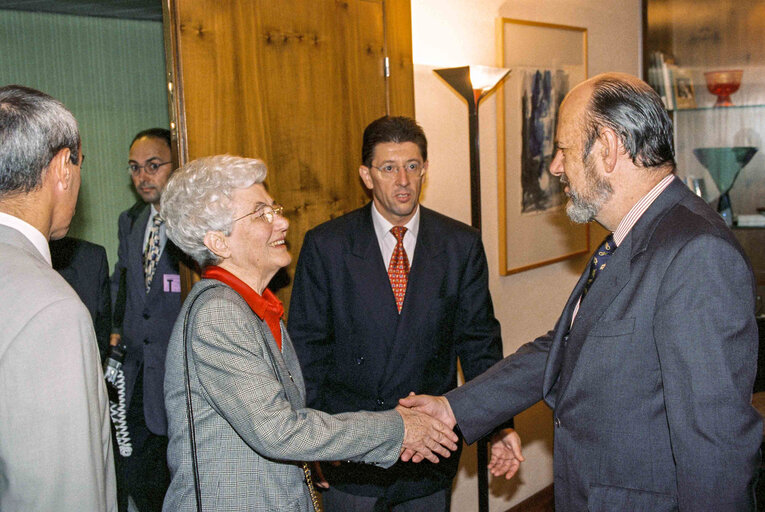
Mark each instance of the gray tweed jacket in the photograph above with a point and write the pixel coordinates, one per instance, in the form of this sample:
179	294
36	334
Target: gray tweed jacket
252	428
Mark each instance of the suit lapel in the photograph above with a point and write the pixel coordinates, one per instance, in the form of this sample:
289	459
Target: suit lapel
370	276
294	394
135	248
425	279
561	333
601	294
168	263
612	280
296	388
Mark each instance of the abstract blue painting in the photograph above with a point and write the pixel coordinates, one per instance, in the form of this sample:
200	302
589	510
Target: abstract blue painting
542	92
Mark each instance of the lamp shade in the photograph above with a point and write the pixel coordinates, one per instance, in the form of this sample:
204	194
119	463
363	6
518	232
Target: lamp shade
473	82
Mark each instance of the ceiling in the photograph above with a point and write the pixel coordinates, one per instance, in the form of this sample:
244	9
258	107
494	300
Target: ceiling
125	9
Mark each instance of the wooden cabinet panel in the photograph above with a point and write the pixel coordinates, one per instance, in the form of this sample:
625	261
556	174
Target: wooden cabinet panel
293	82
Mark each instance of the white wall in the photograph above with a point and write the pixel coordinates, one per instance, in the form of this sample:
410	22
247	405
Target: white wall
449	33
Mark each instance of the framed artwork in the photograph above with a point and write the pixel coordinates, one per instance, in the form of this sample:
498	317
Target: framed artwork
547	61
685	96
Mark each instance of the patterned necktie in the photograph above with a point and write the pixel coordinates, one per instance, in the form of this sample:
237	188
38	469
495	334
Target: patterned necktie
599	261
151	252
398	269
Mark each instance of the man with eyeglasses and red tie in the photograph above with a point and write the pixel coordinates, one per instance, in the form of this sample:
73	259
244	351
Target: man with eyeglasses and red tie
146	291
385	300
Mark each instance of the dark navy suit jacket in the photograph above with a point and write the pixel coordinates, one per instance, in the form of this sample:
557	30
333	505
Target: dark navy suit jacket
651	386
358	353
84	266
146	319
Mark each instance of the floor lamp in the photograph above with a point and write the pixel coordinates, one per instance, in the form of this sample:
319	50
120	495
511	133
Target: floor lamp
474	83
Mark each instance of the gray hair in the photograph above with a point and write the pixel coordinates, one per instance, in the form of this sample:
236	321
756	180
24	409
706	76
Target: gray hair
34	127
634	111
198	198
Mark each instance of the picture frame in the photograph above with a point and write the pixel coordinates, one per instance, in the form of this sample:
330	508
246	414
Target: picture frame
547	60
685	94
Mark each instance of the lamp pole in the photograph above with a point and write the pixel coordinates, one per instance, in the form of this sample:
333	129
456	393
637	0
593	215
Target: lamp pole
473	83
475	165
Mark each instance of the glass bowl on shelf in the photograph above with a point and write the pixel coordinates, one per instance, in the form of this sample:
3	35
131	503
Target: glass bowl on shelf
723	83
723	165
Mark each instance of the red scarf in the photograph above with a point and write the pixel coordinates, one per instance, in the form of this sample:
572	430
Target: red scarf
268	307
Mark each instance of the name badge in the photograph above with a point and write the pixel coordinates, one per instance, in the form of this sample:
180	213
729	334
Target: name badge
171	283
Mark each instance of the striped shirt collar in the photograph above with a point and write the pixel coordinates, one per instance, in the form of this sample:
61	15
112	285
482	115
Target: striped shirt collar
637	211
629	220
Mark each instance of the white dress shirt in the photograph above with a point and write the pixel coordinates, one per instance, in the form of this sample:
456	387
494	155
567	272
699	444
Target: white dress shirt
30	232
387	240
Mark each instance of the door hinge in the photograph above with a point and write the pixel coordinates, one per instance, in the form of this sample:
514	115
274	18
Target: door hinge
386	67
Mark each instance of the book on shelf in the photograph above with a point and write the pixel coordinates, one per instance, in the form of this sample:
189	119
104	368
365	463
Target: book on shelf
661	77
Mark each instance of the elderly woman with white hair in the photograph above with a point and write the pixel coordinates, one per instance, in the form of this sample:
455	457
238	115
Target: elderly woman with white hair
234	391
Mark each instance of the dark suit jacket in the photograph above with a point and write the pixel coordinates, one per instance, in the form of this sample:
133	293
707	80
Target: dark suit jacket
148	318
651	387
83	265
357	353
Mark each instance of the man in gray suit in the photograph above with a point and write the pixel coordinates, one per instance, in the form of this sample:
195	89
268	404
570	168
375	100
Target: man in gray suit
649	369
55	444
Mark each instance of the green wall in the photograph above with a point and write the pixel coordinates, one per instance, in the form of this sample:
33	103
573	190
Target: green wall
111	74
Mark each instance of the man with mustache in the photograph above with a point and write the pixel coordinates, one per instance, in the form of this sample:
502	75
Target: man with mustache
650	367
146	293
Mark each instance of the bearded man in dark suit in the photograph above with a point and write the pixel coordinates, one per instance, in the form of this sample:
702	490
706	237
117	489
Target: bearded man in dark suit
649	369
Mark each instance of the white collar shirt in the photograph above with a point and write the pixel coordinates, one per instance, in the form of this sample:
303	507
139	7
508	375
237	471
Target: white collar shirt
30	232
387	240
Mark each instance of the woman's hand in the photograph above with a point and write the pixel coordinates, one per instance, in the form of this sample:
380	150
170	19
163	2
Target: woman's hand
425	436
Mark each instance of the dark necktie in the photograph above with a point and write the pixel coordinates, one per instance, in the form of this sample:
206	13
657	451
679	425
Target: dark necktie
151	252
398	269
599	261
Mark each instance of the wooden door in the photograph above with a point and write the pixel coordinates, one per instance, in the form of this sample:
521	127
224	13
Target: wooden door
293	82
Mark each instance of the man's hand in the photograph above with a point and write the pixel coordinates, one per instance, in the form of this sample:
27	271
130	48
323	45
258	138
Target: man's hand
424	435
114	339
506	456
435	406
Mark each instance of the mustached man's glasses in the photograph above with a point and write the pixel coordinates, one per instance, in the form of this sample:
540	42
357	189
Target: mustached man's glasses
150	168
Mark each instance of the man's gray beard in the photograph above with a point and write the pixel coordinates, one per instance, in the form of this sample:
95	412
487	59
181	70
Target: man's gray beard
581	210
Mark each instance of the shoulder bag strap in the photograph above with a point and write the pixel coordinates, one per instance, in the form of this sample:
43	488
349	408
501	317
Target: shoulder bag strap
189	408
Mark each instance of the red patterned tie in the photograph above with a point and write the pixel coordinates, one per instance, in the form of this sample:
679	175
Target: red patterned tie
398	269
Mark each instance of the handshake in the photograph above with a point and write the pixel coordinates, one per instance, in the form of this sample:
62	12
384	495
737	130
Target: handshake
429	432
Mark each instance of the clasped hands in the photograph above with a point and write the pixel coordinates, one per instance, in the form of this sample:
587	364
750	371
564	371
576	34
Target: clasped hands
429	431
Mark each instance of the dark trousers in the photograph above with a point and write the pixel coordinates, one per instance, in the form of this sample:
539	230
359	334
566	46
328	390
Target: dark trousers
338	501
144	475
